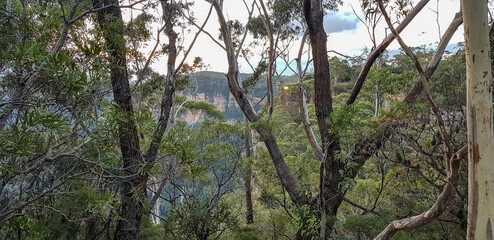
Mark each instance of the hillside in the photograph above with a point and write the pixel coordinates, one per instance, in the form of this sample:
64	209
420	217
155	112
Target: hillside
213	88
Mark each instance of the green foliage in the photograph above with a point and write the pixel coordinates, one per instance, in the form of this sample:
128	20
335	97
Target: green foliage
150	231
307	86
37	128
449	82
201	220
339	69
208	108
70	110
25	227
207	159
351	122
400	7
244	232
137	29
307	220
253	80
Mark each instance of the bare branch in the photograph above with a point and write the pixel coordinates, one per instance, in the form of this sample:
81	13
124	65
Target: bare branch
303	105
269	81
205	32
140	77
366	210
440	122
194	40
379	50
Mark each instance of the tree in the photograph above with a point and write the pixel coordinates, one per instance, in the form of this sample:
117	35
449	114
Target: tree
203	170
479	120
134	189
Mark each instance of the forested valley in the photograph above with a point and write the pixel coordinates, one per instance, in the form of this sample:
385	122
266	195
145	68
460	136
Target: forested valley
112	128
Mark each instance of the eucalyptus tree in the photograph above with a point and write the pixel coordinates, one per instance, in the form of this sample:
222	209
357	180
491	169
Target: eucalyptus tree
479	120
135	160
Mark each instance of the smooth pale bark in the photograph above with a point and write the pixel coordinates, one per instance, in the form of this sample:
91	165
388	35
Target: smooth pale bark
269	79
303	104
479	121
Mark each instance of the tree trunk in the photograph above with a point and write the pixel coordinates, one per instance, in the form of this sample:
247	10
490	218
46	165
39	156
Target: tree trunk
479	121
332	178
110	21
322	83
249	213
378	100
91	228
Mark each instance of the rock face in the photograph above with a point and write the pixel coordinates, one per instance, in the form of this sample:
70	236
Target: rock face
288	97
212	87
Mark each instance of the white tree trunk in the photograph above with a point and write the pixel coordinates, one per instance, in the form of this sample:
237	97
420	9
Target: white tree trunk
479	121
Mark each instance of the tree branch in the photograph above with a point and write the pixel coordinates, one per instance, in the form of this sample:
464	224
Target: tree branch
287	180
439	206
379	50
440	122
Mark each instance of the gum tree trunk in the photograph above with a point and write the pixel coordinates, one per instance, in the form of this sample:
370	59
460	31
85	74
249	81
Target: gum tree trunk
479	121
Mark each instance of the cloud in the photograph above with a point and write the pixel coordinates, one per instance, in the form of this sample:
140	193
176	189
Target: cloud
335	22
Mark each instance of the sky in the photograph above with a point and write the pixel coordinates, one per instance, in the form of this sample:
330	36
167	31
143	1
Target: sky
346	34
